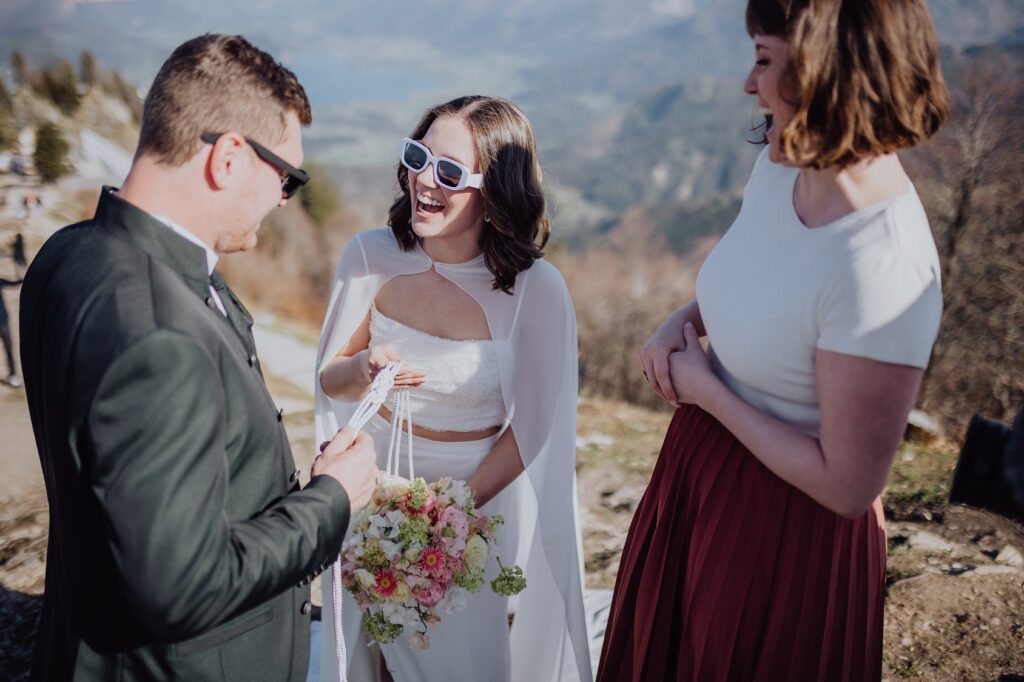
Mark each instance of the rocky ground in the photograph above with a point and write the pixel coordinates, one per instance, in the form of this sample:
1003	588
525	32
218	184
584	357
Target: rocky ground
955	598
955	594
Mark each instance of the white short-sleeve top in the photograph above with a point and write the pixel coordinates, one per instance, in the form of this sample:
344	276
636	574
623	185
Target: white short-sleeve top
773	290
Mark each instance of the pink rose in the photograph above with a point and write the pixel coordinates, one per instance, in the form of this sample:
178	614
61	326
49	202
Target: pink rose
429	595
454	518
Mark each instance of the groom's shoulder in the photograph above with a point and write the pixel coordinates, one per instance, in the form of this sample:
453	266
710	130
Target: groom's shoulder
120	292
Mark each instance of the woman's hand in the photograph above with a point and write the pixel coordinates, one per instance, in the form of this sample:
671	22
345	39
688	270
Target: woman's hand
376	358
690	369
654	358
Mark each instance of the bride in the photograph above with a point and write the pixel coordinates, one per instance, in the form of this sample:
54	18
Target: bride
458	293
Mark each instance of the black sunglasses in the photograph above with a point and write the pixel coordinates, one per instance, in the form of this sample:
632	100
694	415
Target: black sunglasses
292	178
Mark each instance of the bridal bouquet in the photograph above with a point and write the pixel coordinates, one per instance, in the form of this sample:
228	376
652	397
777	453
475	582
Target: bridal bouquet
415	548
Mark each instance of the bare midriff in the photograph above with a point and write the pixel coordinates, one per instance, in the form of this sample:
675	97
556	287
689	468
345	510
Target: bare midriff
443	436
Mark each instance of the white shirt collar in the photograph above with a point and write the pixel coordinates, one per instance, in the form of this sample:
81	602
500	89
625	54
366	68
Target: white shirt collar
211	255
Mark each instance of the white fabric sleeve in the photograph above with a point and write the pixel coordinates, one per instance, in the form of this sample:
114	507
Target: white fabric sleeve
883	307
544	424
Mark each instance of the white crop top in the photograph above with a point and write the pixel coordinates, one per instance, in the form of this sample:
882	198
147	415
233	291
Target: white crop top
772	291
462	391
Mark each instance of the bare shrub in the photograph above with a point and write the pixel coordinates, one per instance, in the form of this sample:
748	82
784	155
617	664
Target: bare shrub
623	289
971	181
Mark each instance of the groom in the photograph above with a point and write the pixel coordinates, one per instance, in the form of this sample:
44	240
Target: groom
181	545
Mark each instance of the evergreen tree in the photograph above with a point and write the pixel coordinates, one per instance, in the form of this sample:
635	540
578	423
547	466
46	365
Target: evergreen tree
8	123
87	69
51	155
19	68
6	102
60	86
8	130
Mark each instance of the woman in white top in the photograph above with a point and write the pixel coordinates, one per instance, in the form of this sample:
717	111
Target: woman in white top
758	550
457	291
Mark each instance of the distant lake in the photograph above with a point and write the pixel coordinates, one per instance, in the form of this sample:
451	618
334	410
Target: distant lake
332	79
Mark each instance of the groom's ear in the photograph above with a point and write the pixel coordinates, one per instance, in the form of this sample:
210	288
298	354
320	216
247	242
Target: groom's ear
226	158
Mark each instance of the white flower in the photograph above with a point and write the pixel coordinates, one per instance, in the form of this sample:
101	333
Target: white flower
454	600
365	579
476	552
362	519
400	615
392	550
459	492
391	487
355	540
396	518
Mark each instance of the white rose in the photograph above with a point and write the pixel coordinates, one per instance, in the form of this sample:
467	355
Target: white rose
476	552
365	579
391	487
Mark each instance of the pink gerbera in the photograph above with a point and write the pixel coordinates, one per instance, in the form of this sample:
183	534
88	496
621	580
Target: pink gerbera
386	583
433	561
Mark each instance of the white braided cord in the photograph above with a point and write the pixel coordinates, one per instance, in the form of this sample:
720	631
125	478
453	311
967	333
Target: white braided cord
375	397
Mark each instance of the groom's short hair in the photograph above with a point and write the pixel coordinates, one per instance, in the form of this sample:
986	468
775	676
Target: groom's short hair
217	83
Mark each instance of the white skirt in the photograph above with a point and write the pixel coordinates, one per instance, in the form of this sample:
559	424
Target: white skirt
470	645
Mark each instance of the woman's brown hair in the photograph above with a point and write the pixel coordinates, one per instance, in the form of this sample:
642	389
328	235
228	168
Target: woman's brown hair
865	74
513	198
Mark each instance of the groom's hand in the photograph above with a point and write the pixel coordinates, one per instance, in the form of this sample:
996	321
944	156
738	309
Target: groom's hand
351	460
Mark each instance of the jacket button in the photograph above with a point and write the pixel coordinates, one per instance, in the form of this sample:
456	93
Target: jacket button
280	413
252	359
307	608
295	476
209	302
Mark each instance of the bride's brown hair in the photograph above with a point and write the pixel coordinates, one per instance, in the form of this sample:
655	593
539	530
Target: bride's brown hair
513	198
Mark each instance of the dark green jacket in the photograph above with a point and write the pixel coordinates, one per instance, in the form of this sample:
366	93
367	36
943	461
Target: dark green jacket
181	546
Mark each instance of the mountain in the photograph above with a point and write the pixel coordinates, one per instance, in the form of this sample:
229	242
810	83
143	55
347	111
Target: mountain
634	103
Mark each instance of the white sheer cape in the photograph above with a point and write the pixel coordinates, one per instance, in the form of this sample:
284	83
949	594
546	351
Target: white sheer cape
534	331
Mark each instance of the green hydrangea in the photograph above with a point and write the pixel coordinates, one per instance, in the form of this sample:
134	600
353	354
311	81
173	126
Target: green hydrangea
470	579
469	506
374	558
497	521
413	531
418	494
510	581
376	627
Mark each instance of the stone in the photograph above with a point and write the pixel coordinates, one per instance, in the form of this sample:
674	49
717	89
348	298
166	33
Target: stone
1010	556
929	542
623	499
994	570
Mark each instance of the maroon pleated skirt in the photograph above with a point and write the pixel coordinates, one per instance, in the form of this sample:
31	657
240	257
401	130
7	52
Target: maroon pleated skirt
730	573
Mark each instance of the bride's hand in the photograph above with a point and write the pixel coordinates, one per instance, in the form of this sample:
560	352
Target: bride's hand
376	358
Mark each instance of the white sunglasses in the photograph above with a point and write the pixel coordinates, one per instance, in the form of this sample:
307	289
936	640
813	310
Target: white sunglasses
448	173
